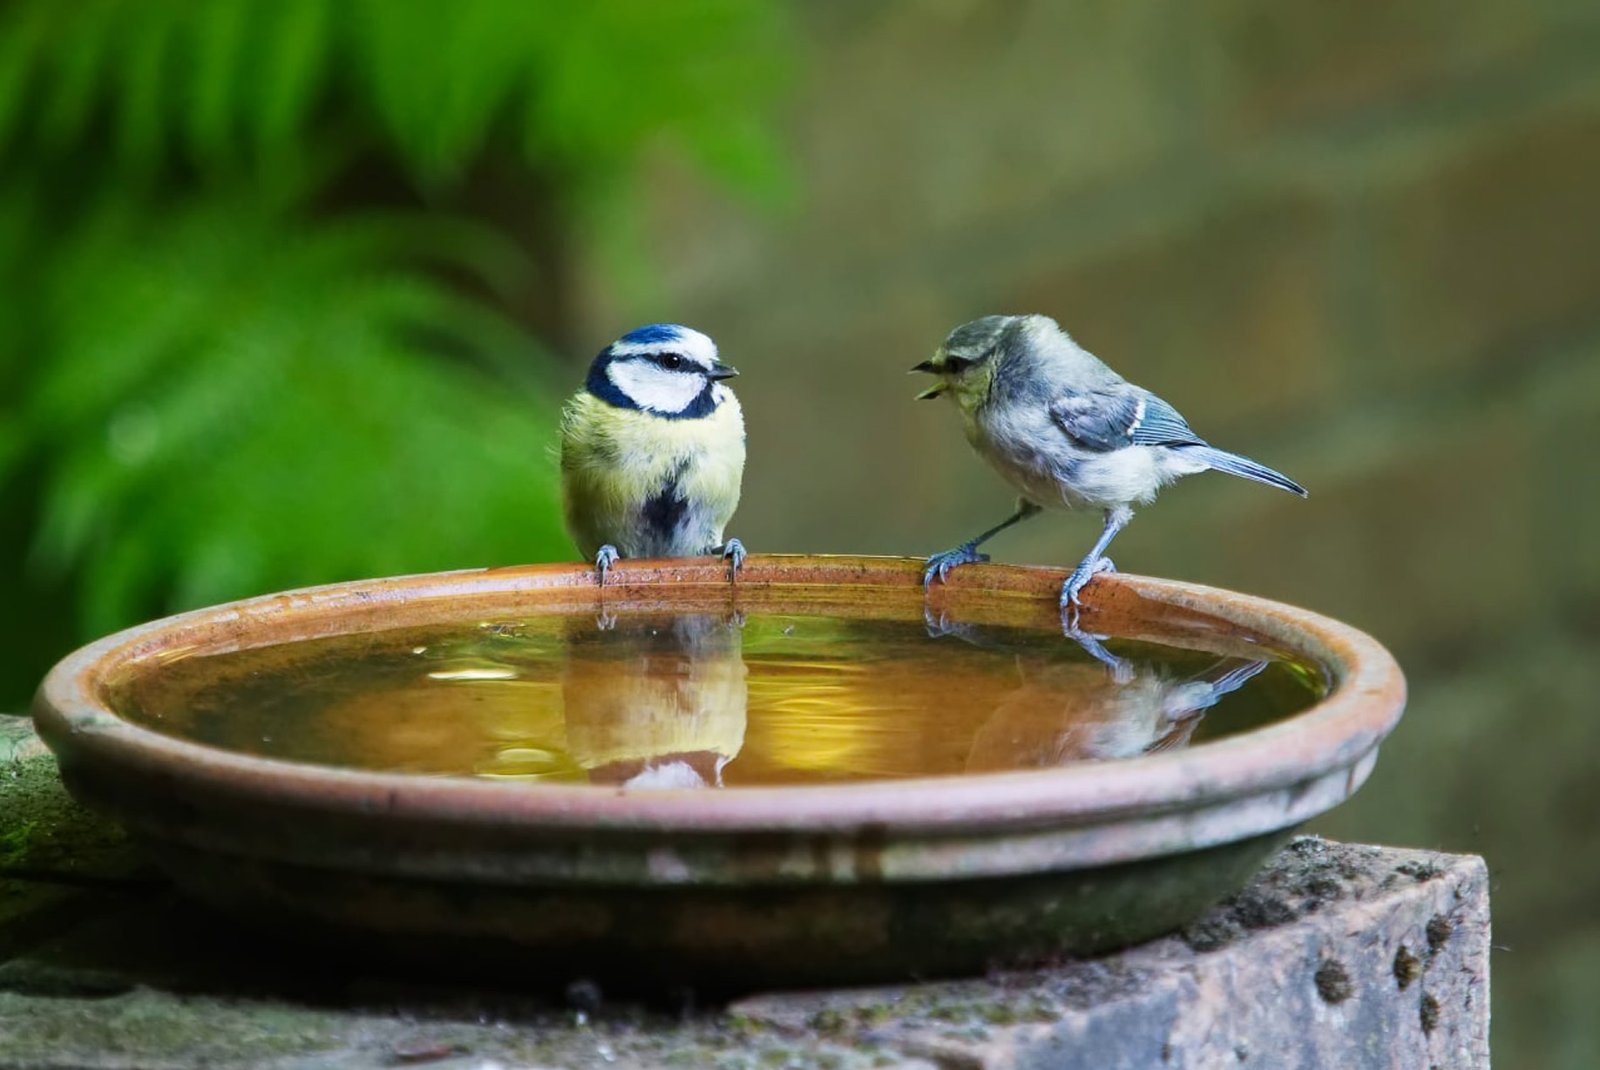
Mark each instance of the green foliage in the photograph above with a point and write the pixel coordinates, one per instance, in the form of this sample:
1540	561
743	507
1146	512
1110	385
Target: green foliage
266	404
260	330
578	88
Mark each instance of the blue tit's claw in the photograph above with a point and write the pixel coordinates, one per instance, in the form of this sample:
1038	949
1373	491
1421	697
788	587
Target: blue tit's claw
734	553
603	561
939	565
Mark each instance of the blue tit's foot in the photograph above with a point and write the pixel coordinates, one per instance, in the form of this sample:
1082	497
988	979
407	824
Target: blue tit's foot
939	565
1086	571
603	561
732	552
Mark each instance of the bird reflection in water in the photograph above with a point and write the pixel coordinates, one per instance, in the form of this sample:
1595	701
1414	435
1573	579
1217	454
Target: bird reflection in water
655	702
1112	707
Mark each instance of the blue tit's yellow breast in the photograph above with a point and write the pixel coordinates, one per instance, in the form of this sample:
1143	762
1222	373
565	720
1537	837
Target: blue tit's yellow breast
618	463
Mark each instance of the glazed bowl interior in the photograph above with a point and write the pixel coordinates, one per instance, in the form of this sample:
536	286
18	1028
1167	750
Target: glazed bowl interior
740	815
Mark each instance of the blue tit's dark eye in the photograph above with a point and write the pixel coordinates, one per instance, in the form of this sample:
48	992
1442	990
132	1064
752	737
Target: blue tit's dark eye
670	361
956	365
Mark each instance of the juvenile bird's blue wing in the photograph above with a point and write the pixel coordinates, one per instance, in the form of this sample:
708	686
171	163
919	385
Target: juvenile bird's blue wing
1116	417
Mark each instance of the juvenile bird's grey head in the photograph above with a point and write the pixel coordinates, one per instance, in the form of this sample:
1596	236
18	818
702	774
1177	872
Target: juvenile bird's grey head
664	369
968	358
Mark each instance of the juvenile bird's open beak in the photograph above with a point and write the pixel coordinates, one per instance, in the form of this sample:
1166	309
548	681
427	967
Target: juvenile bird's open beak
932	369
720	370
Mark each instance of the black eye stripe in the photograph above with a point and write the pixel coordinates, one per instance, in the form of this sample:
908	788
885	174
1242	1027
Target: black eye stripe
956	364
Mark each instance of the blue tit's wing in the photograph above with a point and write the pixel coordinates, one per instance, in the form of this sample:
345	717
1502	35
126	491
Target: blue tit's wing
1114	417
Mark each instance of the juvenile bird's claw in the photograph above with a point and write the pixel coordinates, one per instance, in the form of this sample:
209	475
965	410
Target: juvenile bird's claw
939	565
733	552
604	560
1086	571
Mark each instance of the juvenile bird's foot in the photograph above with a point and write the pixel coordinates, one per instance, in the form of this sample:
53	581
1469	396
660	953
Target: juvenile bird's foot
939	565
604	560
1121	669
1086	571
732	551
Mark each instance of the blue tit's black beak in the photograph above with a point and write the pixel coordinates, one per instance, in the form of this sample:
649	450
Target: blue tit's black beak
720	370
925	366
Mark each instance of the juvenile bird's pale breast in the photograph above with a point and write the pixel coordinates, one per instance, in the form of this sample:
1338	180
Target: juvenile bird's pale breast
1027	451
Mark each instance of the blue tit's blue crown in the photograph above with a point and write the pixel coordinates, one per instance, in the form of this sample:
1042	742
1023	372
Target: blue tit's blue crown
647	345
652	334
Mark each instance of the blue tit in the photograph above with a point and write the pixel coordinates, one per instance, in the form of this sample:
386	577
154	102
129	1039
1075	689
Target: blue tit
652	450
1067	432
652	702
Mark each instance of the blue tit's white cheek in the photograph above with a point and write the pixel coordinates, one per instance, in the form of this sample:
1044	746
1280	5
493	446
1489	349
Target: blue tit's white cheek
653	387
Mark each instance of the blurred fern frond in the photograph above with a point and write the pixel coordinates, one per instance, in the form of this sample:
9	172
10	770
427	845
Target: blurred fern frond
576	89
275	271
271	408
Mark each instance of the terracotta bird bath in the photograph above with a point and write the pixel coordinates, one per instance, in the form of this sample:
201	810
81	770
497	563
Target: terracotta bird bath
982	835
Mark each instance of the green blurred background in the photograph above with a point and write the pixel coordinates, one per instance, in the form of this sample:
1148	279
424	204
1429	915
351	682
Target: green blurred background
290	291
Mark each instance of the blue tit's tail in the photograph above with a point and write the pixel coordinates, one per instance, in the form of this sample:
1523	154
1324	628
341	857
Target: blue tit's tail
1235	465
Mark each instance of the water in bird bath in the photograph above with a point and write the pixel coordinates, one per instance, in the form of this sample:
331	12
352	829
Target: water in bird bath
689	700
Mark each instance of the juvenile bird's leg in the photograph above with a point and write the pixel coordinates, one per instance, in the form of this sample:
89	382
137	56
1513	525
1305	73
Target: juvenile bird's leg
604	560
967	553
733	552
1094	563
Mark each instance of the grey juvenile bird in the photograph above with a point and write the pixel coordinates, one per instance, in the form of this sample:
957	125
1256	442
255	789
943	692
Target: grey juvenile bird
1066	431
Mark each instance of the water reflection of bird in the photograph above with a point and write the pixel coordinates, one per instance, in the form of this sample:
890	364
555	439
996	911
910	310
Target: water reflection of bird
654	702
1065	712
1114	707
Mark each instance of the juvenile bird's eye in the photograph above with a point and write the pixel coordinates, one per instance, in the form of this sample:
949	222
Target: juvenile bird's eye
670	361
956	365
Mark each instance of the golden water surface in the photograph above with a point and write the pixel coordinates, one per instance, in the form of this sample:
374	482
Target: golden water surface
690	701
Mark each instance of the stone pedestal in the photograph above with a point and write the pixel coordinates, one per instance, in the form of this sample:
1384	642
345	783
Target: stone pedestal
1335	956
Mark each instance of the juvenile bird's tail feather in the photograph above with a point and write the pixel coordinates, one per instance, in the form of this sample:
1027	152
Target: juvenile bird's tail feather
1227	681
1235	465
